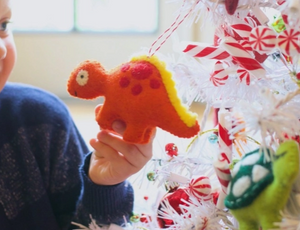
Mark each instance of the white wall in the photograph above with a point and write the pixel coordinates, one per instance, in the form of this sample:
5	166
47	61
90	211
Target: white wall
46	60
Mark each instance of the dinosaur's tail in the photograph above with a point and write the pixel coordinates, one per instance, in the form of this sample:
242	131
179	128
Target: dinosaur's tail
178	128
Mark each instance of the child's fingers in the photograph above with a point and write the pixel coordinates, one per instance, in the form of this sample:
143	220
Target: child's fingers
102	150
119	127
131	152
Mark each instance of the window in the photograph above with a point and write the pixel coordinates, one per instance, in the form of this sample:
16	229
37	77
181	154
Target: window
139	16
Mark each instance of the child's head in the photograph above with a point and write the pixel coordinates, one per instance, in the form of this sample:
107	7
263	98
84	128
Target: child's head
7	45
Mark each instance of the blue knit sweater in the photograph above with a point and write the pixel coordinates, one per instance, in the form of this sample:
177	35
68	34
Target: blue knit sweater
42	185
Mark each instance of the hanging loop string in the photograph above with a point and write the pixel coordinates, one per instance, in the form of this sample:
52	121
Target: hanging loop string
168	32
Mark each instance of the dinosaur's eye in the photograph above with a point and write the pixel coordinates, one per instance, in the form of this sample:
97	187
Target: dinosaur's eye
82	77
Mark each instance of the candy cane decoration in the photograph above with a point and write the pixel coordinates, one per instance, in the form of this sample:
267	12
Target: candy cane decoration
221	165
242	57
202	50
243	28
246	45
219	75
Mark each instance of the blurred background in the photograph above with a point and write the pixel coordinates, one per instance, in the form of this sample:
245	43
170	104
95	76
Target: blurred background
54	36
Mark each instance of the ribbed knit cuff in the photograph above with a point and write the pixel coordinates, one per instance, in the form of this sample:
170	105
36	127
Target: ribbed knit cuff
111	200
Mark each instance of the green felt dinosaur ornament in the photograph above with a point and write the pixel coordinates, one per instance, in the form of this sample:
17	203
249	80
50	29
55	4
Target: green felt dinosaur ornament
260	189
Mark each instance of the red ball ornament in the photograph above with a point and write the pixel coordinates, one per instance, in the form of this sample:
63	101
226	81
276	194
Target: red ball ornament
145	218
200	187
171	149
175	199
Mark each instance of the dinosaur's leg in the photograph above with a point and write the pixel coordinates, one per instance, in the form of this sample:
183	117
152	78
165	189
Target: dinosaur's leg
105	117
148	133
137	134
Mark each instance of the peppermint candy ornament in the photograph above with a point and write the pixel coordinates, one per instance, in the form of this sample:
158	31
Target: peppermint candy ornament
244	76
262	39
288	42
200	187
219	76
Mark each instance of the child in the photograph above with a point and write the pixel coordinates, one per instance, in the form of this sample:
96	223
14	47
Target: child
47	176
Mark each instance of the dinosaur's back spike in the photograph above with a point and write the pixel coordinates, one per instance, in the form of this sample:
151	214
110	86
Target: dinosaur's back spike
189	118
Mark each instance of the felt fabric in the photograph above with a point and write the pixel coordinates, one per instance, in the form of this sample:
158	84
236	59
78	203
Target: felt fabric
244	193
41	151
264	210
140	92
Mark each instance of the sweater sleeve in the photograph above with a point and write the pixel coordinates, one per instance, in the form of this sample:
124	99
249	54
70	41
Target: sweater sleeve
105	204
44	164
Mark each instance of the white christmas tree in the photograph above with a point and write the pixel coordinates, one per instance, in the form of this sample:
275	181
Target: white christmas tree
250	75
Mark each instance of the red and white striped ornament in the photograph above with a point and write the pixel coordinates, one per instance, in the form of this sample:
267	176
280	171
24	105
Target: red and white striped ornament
262	39
221	165
219	76
256	55
223	172
244	76
243	57
288	42
246	45
244	27
200	187
202	50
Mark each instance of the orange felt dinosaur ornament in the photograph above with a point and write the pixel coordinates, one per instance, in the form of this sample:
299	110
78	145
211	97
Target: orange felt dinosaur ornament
140	92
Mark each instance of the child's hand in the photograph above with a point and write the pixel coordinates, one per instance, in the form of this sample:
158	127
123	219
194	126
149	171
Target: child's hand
114	160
